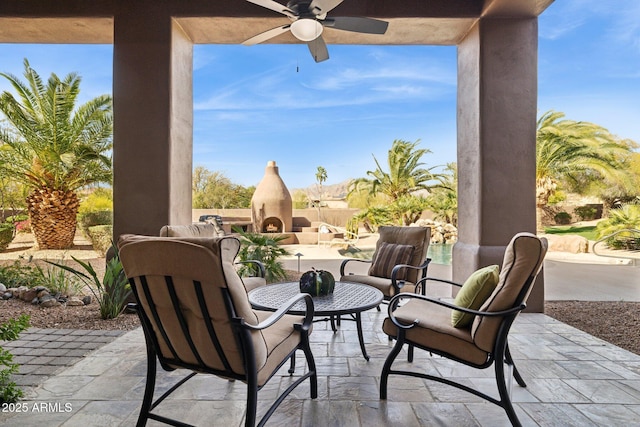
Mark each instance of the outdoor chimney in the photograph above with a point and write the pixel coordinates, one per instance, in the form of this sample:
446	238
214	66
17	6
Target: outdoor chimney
271	206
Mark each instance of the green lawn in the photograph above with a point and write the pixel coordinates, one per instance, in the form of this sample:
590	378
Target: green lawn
588	231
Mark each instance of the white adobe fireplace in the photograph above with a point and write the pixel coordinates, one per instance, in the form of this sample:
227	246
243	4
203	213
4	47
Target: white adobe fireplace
271	205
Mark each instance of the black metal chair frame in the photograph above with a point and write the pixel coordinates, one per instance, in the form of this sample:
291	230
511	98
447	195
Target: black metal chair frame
243	335
499	356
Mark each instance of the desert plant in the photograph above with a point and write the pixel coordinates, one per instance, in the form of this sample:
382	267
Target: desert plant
57	281
101	237
562	218
586	213
112	291
17	274
9	331
54	148
7	232
263	248
625	218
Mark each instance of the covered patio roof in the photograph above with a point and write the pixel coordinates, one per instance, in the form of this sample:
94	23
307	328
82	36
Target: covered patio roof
434	22
153	42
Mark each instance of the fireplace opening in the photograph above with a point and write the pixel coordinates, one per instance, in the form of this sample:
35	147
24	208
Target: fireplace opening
272	225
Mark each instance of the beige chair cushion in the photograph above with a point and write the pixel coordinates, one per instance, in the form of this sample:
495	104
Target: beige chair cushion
381	283
210	262
418	237
387	256
522	260
434	330
210	229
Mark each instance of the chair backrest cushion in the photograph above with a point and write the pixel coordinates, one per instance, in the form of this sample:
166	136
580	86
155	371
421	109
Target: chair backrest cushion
521	264
183	262
387	256
209	229
417	237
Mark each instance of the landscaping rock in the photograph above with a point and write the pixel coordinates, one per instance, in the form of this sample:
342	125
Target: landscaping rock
3	288
75	301
571	244
28	295
49	301
7	295
86	300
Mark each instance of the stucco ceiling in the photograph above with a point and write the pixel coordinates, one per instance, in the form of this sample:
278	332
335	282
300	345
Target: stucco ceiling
438	22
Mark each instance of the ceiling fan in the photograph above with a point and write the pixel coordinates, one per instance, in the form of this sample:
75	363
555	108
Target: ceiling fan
309	17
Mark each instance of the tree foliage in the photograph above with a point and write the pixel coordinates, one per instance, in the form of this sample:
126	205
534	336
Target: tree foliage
396	187
48	141
405	174
213	190
572	154
443	200
54	148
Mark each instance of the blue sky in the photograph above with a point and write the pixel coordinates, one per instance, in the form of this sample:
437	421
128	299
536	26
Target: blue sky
272	102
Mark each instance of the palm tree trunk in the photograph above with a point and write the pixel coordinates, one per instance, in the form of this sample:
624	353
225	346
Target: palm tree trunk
53	217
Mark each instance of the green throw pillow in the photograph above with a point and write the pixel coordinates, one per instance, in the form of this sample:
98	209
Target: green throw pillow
474	293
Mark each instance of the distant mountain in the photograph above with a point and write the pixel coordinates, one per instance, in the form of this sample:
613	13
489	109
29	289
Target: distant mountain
329	191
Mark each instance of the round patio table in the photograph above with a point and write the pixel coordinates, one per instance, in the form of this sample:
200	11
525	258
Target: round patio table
347	299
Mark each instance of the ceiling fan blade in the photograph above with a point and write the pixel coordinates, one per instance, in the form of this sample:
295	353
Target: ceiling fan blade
318	49
269	34
275	6
321	7
358	25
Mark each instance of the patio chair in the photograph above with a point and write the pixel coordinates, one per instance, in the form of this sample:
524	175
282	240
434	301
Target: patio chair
196	316
213	229
398	263
427	323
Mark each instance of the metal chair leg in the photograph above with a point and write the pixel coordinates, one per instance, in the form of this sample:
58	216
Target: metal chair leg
386	368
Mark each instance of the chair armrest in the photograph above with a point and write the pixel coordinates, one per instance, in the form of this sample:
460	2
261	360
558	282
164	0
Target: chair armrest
398	284
283	309
344	263
435	279
258	264
393	304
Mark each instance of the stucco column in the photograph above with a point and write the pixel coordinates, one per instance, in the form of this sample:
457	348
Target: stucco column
497	109
153	120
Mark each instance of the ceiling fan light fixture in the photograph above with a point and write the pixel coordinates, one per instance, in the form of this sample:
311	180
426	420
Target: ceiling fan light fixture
306	29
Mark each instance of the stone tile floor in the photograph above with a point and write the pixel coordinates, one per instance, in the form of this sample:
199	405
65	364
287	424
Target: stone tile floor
573	379
43	353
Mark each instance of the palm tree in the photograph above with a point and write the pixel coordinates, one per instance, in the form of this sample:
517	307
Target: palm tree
54	149
405	174
568	151
321	176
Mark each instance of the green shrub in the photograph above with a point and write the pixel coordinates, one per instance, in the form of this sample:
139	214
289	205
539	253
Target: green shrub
30	275
263	248
562	218
17	274
100	199
14	219
111	292
57	281
7	233
9	331
624	218
586	213
96	209
101	237
87	220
